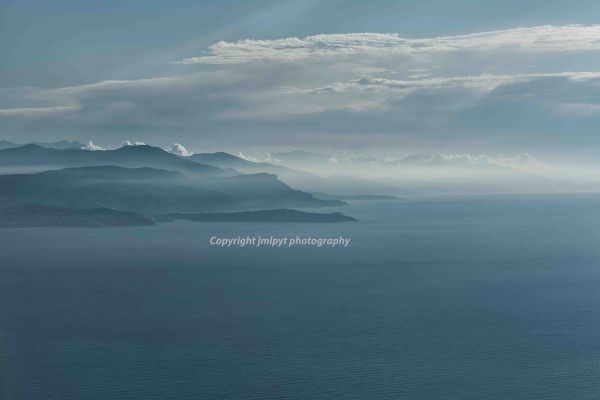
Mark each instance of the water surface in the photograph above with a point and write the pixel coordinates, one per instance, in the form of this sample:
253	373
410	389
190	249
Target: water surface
453	298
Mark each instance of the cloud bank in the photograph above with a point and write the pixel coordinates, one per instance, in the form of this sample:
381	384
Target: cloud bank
547	38
512	90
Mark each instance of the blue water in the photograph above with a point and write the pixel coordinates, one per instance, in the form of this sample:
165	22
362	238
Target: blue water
451	298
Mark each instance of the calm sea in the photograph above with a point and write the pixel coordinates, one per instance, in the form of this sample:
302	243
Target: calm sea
452	298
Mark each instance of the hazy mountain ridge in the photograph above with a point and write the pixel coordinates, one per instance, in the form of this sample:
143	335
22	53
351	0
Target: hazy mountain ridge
348	174
442	173
150	191
307	181
113	173
32	155
302	158
58	145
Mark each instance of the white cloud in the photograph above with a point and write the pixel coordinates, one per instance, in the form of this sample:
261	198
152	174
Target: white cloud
580	108
178	149
36	111
130	143
522	161
247	157
484	82
499	87
546	38
92	147
115	84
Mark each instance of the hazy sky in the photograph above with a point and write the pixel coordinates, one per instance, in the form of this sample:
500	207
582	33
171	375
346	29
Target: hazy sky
394	76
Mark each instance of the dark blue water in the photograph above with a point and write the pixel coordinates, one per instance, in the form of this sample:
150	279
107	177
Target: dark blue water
457	298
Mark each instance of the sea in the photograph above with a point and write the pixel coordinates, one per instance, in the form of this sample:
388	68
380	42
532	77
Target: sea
453	297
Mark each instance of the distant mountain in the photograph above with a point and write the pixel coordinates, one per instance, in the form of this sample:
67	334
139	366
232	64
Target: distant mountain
279	215
299	158
111	173
262	190
518	162
366	197
59	145
224	160
42	215
5	144
307	181
295	178
36	156
151	191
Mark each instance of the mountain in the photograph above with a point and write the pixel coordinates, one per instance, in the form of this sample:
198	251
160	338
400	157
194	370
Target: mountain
111	173
5	144
300	157
41	215
263	190
307	181
151	191
279	215
366	197
226	160
223	158
298	179
37	157
59	145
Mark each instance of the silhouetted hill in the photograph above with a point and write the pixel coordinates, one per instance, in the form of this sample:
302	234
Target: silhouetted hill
279	215
43	215
33	155
150	191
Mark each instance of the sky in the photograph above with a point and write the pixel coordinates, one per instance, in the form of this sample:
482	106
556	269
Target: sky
386	77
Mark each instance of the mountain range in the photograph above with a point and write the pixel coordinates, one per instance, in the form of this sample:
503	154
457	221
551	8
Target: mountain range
337	185
151	191
59	145
65	185
37	158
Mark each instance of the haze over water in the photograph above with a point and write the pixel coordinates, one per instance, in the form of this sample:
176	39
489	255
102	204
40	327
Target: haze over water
483	297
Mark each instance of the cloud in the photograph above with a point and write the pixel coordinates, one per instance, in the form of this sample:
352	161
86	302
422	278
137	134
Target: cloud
546	38
37	111
484	82
92	147
580	108
130	143
247	157
178	149
514	88
522	161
